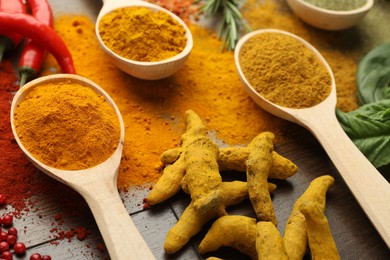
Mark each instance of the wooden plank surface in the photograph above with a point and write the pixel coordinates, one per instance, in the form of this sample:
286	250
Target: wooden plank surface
355	236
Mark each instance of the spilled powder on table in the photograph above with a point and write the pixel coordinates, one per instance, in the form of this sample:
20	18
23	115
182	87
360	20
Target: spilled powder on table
208	84
153	110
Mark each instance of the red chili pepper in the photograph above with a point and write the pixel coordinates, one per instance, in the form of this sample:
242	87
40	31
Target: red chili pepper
40	33
11	40
33	55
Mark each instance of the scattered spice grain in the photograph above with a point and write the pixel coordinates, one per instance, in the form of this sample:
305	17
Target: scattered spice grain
152	111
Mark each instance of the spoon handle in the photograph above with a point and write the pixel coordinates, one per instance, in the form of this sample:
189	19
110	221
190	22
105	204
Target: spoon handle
120	235
370	188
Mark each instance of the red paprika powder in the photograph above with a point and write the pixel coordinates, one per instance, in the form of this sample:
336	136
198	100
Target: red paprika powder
15	170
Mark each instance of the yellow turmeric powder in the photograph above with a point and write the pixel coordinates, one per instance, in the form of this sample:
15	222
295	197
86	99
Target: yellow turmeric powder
148	134
67	125
284	71
142	34
152	112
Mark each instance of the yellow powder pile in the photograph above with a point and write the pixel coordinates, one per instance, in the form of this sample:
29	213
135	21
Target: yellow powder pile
67	125
284	71
142	34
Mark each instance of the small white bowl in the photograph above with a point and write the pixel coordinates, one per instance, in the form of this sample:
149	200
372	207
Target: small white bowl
145	70
329	19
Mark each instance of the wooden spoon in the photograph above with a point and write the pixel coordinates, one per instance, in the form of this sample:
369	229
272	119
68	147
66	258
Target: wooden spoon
97	185
369	187
144	70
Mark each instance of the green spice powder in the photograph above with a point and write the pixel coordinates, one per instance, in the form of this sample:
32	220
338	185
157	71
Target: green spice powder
337	5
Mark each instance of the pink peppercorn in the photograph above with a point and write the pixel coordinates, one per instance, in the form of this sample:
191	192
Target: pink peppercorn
13	231
7	220
6	255
4	246
3	236
11	239
20	248
36	256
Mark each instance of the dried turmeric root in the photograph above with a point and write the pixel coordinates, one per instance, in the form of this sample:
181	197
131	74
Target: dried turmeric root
202	171
269	242
295	233
234	159
191	222
233	186
171	155
169	182
321	242
258	166
230	158
238	232
198	161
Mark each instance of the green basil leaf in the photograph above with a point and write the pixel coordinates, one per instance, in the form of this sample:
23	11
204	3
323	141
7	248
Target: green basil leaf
373	75
369	128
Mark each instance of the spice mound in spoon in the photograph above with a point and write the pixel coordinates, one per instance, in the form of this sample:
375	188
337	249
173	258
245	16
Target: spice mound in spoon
284	71
67	125
142	34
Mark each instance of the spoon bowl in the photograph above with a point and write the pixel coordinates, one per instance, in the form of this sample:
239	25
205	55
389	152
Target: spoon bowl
145	70
369	187
97	184
329	19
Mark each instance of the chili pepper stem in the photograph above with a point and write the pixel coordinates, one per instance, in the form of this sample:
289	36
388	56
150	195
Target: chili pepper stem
25	74
23	78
